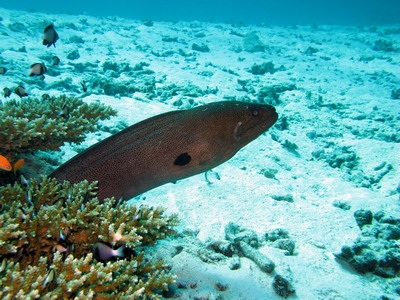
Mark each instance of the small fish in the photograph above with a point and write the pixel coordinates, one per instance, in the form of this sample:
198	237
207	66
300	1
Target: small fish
56	60
60	248
7	92
3	70
24	216
24	181
50	36
50	277
63	234
104	252
3	265
18	165
37	69
69	195
64	111
20	91
5	164
29	197
84	86
45	97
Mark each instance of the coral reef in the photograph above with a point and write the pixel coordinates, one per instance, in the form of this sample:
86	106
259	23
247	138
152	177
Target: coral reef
48	230
376	250
30	124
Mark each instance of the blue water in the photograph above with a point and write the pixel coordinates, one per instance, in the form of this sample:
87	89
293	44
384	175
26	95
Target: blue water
284	12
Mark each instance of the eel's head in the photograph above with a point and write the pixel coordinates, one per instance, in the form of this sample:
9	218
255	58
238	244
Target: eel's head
235	124
244	122
216	131
253	120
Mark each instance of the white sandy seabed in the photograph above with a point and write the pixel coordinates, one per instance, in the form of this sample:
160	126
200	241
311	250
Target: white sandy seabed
341	104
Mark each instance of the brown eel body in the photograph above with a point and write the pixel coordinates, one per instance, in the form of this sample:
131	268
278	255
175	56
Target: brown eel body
168	147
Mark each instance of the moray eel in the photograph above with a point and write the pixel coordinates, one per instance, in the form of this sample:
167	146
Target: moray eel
168	147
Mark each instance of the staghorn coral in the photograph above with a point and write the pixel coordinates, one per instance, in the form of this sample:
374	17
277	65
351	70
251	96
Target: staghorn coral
30	124
50	227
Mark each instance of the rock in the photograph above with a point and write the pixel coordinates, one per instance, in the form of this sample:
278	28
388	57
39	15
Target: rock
73	55
220	286
395	94
342	205
390	220
277	234
222	247
363	217
235	234
200	48
287	197
269	173
252	43
235	262
266	67
379	215
263	262
282	286
209	256
376	255
285	244
383	45
389	232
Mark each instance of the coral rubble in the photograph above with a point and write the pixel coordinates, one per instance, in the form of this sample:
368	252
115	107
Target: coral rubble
48	229
376	250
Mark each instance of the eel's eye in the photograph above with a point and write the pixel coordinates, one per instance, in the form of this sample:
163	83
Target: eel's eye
255	112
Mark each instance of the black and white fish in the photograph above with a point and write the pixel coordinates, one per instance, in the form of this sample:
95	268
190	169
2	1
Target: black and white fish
50	36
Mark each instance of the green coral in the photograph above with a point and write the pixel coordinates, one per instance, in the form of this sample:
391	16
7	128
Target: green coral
29	125
48	229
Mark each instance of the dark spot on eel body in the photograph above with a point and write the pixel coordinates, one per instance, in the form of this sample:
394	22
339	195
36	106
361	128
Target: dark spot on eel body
182	159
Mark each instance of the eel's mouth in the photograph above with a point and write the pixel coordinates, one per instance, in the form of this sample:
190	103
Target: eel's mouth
270	118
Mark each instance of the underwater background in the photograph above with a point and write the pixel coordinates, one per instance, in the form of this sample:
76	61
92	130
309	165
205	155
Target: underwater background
308	209
287	12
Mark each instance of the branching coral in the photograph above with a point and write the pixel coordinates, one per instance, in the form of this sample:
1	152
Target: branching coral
30	124
48	230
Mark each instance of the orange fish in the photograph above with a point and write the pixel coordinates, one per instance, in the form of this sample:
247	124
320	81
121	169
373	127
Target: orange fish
5	164
18	165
